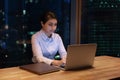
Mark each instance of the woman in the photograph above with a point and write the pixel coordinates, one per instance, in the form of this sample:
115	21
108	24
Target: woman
46	43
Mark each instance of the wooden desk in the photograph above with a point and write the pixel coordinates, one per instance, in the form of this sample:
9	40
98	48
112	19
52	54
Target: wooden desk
105	68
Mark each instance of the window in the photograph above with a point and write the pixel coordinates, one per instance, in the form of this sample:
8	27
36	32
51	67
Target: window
100	24
21	22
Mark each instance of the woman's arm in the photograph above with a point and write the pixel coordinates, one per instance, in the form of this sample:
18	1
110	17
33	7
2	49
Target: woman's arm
62	50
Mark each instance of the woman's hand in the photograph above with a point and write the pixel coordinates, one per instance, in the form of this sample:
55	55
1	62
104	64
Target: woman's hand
57	62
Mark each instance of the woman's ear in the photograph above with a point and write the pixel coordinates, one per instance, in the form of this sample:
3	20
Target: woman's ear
42	23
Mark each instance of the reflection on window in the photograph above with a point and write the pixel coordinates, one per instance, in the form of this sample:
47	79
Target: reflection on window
100	24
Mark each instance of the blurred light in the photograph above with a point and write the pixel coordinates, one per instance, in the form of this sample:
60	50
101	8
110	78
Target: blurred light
106	3
112	6
24	12
6	55
16	15
3	13
7	35
25	45
24	27
6	27
101	2
31	33
17	42
118	54
31	1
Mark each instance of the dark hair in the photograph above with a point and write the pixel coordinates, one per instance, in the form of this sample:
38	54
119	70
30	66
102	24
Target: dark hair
47	16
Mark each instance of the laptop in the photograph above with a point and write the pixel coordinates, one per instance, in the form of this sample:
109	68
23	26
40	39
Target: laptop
80	56
39	68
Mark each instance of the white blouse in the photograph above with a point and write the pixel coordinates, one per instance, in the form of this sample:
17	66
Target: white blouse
45	48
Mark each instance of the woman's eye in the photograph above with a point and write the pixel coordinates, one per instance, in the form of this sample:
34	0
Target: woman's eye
50	24
55	24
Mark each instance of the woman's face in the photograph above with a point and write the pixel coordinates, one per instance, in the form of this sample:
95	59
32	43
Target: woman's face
50	26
